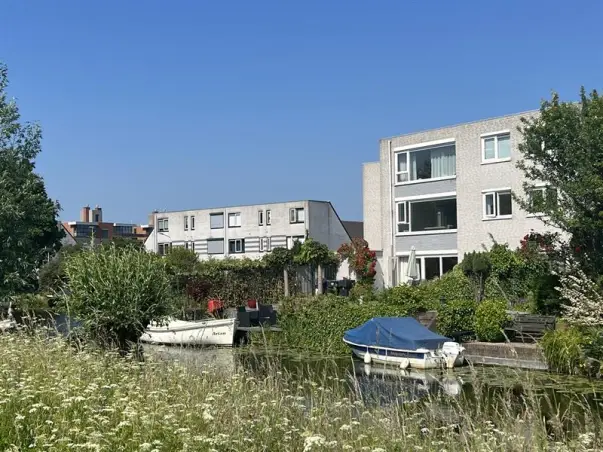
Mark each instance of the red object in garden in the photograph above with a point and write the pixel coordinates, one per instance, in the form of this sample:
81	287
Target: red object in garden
214	305
252	304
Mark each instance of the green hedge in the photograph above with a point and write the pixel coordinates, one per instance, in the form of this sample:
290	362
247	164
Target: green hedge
490	319
318	324
456	316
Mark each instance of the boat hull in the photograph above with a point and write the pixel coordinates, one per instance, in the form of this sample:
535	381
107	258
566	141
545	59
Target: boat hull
406	358
219	332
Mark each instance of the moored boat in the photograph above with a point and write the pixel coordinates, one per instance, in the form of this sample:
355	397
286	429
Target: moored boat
404	342
202	332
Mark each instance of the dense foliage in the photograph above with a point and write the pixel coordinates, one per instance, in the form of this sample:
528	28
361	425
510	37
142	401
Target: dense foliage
457	316
477	266
490	320
318	324
29	232
116	293
563	148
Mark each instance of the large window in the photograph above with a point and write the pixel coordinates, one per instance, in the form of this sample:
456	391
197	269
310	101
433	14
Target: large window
164	248
496	147
542	199
215	246
162	225
428	267
216	220
498	204
236	246
426	216
434	162
234	220
297	215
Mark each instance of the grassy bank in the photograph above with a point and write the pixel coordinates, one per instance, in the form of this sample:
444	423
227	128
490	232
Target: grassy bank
53	398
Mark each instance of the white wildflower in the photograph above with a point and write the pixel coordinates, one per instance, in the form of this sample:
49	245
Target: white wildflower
314	442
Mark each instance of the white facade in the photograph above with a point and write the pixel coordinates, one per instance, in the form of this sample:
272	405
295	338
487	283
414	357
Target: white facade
443	192
247	231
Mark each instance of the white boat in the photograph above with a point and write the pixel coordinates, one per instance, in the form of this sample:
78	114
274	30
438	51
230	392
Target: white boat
201	332
404	342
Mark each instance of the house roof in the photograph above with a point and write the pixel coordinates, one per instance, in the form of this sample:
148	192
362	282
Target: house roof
355	229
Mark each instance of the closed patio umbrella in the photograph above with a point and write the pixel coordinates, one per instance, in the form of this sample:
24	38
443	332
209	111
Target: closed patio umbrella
411	271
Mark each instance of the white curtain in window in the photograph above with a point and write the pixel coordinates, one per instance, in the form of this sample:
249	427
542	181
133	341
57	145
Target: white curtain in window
443	162
413	166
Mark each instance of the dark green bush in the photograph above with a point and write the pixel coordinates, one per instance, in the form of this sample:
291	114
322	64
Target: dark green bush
490	319
453	285
456	316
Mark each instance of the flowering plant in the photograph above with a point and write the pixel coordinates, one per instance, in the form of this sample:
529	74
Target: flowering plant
361	259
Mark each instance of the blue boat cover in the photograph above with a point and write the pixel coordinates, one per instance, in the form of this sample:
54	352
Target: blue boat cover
400	333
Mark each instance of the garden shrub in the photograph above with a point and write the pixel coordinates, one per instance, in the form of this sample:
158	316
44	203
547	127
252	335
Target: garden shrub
415	299
456	316
490	319
317	324
564	350
454	285
116	293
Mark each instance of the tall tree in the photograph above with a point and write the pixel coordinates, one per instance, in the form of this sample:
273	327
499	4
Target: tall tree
28	217
563	148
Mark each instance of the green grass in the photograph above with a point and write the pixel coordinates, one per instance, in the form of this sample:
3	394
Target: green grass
54	398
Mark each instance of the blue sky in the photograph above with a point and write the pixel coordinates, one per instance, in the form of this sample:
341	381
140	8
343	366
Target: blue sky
189	104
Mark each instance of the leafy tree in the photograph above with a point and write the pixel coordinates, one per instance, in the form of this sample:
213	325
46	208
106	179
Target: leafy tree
52	274
28	217
315	254
477	266
563	148
116	293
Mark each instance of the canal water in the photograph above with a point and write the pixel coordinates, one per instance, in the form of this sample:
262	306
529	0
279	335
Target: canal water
574	400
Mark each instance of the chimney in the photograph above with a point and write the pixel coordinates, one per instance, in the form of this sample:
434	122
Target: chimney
85	214
97	214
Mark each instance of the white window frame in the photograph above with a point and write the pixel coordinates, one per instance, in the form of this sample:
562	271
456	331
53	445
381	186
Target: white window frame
412	199
192	223
163	225
406	150
186	222
405	220
164	248
238	244
237	220
260	218
268	217
421	261
495	136
294	215
261	244
495	193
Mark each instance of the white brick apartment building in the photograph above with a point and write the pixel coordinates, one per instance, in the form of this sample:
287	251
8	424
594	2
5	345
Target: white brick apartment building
444	191
247	231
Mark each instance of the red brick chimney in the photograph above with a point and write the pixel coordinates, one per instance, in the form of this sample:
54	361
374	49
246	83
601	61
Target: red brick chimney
85	214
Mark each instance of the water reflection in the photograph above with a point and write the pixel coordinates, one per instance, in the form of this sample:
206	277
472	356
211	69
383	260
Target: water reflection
571	397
